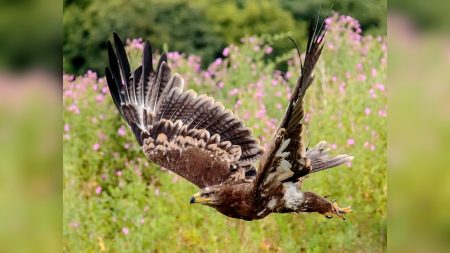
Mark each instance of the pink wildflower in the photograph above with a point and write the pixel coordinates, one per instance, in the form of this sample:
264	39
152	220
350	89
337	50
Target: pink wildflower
99	98
261	113
66	127
238	103
359	66
372	94
374	72
342	87
218	61
382	113
125	231
259	94
98	190
234	92
366	144
367	111
380	86
74	108
268	50
96	146
350	142
226	52
121	131
74	224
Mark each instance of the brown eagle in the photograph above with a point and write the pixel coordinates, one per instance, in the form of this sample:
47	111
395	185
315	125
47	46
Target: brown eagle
198	139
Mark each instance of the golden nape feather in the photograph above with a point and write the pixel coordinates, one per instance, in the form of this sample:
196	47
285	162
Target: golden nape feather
198	139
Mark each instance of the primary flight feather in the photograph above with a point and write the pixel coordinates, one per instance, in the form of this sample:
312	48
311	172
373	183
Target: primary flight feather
198	139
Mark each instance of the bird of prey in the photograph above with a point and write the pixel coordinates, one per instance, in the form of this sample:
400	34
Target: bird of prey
201	141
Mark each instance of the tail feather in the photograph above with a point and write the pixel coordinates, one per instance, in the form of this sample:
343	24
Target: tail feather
321	159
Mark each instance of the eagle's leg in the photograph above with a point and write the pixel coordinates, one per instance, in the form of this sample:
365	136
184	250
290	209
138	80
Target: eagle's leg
313	202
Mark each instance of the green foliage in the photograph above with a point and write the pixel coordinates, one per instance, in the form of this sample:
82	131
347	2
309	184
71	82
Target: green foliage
116	201
198	27
31	35
371	14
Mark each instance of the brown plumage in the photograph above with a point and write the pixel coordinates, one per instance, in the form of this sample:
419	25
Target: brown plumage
198	139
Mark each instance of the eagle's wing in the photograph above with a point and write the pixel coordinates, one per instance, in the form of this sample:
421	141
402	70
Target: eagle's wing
286	159
191	135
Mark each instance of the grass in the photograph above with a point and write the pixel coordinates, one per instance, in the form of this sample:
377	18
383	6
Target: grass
116	201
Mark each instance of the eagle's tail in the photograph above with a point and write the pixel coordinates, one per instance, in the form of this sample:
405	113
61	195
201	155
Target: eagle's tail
321	159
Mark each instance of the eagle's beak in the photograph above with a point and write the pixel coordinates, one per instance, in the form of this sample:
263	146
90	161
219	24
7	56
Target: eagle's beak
198	199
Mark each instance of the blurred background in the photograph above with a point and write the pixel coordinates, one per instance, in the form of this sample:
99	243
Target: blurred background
30	126
31	161
419	126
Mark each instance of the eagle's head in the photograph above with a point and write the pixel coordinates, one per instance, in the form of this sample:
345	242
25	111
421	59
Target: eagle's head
209	196
233	200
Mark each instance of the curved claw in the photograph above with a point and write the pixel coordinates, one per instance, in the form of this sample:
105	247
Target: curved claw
338	211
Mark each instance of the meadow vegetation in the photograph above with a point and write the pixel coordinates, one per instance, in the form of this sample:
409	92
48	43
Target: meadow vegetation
117	201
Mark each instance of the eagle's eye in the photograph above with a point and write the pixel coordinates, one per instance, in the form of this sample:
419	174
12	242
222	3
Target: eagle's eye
206	194
233	167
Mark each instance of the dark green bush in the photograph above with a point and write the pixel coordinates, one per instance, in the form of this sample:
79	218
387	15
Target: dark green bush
198	27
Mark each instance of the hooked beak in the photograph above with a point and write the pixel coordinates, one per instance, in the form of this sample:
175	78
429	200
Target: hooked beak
198	199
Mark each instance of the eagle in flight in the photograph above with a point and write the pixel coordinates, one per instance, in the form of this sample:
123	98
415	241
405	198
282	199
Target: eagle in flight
198	139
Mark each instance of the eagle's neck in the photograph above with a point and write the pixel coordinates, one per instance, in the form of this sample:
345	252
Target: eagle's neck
236	201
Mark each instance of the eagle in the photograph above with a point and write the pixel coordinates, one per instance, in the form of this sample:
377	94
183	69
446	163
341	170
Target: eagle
197	138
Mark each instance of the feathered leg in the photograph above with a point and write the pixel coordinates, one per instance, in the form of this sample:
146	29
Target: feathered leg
310	202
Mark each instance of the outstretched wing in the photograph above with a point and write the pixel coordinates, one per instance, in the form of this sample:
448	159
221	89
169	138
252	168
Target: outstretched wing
287	159
191	135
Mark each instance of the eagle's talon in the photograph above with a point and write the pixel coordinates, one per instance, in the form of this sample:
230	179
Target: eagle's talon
338	211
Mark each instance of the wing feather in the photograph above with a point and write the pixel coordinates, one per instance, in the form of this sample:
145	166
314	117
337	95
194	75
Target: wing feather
192	135
289	132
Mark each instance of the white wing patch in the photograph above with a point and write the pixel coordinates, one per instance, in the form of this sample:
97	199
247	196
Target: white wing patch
283	170
272	203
